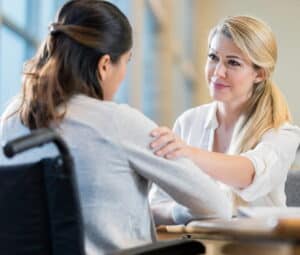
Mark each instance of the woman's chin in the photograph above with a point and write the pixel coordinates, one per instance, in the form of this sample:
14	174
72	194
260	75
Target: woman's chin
219	97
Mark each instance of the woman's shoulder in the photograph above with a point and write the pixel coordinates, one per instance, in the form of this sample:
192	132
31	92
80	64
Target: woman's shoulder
286	129
10	123
133	117
285	139
110	107
12	106
92	107
121	115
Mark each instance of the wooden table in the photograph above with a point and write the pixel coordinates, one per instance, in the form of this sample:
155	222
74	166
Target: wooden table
240	236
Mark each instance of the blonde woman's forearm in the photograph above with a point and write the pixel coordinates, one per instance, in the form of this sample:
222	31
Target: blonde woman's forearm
236	171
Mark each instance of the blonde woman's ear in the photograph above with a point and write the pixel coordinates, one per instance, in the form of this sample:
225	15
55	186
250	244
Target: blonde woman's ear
260	76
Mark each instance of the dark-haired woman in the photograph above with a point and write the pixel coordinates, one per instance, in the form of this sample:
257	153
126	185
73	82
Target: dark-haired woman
69	85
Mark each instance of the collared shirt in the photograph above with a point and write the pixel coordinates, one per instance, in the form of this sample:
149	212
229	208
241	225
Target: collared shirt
271	158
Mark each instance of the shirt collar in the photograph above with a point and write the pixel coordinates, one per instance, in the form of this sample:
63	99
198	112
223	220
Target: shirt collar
211	118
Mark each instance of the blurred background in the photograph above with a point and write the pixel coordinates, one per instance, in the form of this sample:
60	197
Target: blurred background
166	74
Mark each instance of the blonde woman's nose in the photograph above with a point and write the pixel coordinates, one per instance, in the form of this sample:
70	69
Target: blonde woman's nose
220	70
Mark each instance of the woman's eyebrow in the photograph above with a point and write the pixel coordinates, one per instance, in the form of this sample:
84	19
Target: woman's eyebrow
227	56
233	56
236	57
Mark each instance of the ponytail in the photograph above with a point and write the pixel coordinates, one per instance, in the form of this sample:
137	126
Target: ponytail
67	62
50	80
267	109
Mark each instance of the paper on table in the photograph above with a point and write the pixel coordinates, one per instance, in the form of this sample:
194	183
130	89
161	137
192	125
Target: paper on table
265	212
247	225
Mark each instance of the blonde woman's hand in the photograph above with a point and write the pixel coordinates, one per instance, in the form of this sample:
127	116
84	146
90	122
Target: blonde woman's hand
167	144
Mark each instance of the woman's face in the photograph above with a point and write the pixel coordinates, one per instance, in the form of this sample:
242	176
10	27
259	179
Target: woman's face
115	75
229	73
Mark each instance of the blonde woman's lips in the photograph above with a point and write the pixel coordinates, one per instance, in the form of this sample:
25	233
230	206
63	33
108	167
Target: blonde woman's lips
218	85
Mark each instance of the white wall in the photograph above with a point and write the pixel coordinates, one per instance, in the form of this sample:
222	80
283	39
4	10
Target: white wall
284	18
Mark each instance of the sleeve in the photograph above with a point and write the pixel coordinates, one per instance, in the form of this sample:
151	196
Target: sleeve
181	179
177	129
271	158
180	214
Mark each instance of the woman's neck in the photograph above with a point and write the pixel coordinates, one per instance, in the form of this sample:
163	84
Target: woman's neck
228	114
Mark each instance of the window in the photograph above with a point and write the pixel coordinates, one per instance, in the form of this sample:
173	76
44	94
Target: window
11	64
23	24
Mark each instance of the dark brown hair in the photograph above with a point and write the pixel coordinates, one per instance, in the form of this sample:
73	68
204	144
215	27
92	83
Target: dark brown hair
66	63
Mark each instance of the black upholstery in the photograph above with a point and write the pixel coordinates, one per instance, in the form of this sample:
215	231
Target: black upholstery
23	210
172	247
39	207
292	188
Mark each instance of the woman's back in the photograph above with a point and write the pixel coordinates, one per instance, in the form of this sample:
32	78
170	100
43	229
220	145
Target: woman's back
115	168
113	195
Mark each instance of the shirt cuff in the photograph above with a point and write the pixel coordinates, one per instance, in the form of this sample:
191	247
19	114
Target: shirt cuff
261	183
181	214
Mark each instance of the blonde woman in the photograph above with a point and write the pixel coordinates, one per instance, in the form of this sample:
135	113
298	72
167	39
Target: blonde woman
244	139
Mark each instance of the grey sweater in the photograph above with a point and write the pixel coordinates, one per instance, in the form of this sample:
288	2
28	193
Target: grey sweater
115	168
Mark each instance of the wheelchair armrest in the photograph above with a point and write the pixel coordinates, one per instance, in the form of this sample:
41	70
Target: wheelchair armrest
173	247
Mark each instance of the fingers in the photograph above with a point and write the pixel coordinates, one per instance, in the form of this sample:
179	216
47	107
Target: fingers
168	148
160	131
162	140
166	143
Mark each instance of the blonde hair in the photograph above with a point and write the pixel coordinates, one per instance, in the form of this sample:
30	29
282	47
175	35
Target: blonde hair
266	108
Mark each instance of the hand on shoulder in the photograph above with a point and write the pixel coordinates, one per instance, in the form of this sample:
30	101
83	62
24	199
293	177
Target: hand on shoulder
167	144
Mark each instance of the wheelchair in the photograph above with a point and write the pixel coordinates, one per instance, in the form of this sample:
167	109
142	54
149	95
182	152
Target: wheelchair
40	206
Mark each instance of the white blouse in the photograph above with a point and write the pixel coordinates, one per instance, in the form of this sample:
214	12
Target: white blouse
272	157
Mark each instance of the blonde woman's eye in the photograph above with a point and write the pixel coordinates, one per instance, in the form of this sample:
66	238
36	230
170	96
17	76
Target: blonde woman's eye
212	57
233	63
